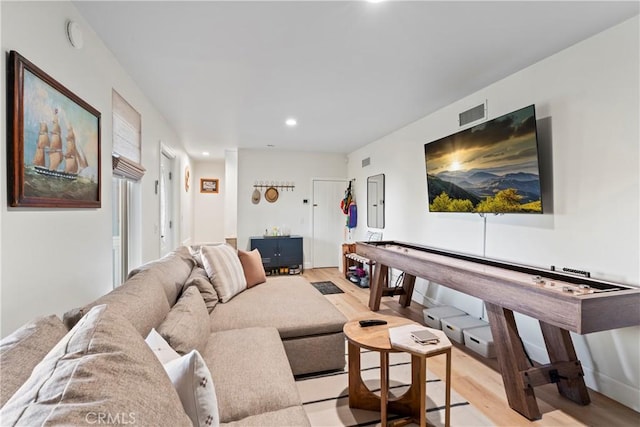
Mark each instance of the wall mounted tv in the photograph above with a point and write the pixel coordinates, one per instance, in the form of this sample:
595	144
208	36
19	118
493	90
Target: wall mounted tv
489	168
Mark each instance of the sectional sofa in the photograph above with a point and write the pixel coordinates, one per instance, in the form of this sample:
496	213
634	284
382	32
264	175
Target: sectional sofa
235	337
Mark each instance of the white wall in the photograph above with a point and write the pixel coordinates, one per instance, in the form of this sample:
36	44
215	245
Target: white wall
185	214
208	208
231	194
57	259
588	116
288	210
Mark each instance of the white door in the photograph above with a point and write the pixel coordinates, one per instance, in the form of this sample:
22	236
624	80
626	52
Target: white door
166	204
328	222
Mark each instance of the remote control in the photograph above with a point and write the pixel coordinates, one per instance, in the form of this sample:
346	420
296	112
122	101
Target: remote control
372	322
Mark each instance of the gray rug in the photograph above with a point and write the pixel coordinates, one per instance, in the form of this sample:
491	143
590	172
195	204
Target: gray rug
326	400
327	288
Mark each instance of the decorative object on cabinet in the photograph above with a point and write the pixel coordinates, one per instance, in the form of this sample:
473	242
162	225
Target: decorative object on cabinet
280	254
209	185
53	141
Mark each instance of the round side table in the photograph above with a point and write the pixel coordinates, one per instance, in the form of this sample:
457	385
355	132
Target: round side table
376	338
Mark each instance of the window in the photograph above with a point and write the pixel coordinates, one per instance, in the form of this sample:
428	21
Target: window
120	190
125	187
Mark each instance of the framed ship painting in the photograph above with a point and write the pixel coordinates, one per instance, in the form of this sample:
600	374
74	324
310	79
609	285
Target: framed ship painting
53	141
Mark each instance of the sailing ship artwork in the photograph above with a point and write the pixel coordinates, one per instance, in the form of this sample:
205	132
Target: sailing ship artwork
60	144
51	156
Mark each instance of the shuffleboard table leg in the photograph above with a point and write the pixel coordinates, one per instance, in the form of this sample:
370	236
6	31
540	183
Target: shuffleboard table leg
408	283
512	361
377	285
560	349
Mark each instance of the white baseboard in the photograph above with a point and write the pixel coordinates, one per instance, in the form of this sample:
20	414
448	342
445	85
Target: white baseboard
424	300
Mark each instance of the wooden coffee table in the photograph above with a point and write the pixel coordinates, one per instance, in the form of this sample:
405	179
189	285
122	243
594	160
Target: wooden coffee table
376	338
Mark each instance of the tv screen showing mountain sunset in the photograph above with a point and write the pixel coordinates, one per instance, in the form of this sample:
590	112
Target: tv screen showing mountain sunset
489	168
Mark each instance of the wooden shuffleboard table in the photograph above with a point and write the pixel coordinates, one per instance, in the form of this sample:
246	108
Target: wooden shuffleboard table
561	302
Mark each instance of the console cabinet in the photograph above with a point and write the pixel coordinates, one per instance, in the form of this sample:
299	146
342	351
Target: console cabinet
280	254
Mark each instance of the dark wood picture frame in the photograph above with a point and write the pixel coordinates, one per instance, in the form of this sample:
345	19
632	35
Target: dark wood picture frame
53	141
209	185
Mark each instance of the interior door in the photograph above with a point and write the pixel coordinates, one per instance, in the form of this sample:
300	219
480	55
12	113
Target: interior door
328	222
166	204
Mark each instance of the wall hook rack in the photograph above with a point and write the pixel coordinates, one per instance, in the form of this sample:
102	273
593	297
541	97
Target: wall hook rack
280	185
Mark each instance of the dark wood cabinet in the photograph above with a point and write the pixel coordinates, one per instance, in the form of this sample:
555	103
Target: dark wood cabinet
280	254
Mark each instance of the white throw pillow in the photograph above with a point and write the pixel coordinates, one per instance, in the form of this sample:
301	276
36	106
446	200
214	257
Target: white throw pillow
161	347
224	270
192	380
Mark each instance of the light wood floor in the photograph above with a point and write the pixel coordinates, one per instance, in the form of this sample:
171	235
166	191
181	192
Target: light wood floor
477	379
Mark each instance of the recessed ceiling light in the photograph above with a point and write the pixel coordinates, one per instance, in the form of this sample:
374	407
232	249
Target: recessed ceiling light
291	122
205	153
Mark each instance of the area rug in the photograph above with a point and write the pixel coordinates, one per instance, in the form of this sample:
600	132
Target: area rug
326	397
327	288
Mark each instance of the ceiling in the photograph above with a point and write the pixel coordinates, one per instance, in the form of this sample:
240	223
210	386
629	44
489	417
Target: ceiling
227	74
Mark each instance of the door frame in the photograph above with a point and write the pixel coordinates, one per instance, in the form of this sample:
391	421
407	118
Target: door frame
170	154
345	181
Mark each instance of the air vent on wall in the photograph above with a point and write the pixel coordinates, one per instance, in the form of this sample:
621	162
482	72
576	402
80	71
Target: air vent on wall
366	162
471	115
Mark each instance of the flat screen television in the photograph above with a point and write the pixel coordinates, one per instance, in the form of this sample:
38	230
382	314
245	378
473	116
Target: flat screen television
491	167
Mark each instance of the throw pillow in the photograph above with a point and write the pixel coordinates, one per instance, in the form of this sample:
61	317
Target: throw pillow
224	270
252	267
21	351
197	256
102	369
192	380
160	347
186	327
199	279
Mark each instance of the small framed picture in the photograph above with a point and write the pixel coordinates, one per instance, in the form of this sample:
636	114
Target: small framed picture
208	185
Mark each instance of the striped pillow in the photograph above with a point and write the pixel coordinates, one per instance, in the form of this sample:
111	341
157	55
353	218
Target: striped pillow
224	270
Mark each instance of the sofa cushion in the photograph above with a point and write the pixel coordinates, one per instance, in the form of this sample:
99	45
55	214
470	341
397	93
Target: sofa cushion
192	380
251	373
288	303
186	327
160	347
252	267
171	271
199	279
21	351
102	367
224	270
141	300
316	353
293	416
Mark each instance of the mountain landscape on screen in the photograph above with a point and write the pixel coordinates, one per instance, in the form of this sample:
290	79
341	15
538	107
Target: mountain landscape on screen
489	168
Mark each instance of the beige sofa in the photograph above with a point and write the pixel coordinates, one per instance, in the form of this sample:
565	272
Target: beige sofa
253	345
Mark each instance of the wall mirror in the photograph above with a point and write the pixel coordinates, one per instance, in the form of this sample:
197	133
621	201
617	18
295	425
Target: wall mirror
375	201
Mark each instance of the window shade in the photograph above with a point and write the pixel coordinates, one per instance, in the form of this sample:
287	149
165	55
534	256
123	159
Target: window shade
127	141
126	168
